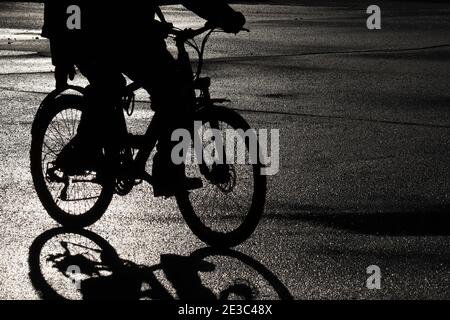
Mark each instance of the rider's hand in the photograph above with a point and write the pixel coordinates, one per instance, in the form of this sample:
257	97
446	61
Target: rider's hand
63	73
234	23
162	28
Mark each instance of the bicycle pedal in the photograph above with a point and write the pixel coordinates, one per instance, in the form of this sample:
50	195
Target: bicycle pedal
170	191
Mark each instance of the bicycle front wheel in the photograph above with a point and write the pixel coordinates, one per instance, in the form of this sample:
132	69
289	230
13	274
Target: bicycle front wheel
73	201
226	211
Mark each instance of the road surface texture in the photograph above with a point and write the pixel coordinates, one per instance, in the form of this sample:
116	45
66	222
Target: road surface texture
364	175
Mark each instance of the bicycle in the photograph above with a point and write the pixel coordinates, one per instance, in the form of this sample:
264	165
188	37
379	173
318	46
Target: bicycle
80	200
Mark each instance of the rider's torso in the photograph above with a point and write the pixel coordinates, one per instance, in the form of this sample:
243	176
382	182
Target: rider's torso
101	22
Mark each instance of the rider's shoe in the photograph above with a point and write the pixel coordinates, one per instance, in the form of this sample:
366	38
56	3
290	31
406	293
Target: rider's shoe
170	179
170	187
79	156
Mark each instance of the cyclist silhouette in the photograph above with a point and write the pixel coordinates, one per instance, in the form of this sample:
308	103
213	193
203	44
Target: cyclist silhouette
117	38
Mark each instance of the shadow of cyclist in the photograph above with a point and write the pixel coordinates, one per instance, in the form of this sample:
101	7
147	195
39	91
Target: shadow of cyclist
103	275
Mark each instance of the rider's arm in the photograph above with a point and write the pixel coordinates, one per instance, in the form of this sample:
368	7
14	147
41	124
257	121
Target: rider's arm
218	13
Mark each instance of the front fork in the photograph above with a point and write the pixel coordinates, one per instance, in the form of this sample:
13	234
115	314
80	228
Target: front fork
217	173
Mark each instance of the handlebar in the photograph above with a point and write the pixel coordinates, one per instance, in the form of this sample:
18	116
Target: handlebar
187	36
192	33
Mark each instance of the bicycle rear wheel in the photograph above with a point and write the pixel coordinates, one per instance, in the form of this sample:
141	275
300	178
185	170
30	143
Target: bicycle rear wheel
226	211
73	201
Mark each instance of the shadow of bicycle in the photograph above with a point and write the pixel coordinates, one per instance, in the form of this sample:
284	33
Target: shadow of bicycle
79	264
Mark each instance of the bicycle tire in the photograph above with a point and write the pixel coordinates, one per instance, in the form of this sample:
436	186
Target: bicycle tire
249	224
46	113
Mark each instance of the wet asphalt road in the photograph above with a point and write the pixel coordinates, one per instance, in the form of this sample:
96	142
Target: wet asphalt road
364	177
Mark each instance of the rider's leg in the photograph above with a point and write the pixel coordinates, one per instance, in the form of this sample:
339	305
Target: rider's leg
103	96
96	128
172	100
